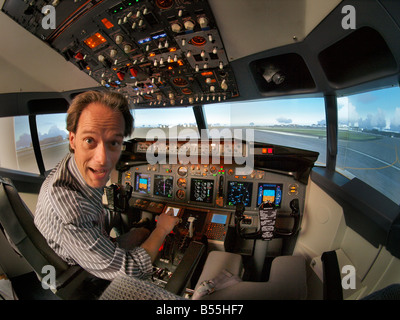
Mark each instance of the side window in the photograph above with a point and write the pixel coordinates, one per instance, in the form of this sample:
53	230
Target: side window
53	138
16	142
369	139
16	151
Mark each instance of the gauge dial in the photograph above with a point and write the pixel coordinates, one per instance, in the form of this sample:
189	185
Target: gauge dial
180	82
180	194
181	183
182	171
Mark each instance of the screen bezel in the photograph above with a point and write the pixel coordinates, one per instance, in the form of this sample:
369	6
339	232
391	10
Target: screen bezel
164	178
192	198
229	189
136	184
273	186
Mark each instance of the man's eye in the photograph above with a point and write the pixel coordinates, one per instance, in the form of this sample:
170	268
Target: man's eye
115	143
88	140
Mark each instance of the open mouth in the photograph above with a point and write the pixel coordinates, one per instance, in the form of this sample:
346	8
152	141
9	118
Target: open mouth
99	173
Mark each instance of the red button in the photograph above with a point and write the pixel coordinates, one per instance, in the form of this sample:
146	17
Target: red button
79	56
120	75
133	72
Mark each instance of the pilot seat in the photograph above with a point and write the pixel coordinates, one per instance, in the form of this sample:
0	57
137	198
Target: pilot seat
287	279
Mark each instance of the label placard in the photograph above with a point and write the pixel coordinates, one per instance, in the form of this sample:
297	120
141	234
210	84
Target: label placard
267	222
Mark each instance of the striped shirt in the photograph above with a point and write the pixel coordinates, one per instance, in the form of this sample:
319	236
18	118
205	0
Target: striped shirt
70	215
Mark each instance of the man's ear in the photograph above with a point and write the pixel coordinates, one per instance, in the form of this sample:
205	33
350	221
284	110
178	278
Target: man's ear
72	141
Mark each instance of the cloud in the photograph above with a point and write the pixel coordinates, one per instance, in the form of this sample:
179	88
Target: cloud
54	131
24	141
395	121
373	121
379	119
284	120
347	113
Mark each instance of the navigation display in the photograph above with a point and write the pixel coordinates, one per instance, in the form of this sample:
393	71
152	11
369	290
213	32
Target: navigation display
239	192
142	183
163	186
202	190
270	193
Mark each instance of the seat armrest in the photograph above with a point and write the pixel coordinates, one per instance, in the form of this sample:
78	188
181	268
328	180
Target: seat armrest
287	281
218	261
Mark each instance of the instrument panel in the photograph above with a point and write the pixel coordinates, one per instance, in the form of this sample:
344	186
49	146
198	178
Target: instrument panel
202	184
210	186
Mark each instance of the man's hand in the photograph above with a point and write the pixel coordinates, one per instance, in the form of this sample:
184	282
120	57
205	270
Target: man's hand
165	223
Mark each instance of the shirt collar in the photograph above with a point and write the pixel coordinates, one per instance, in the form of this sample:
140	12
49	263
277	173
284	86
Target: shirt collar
96	193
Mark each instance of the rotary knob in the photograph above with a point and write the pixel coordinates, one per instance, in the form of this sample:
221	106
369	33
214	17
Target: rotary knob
118	39
203	22
176	27
189	25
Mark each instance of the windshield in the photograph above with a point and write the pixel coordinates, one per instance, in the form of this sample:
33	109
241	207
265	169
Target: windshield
164	123
298	123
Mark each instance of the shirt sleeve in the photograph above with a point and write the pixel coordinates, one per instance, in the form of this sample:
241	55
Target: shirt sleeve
84	240
98	255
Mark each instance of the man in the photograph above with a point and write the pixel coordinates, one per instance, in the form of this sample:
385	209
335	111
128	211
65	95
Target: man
70	213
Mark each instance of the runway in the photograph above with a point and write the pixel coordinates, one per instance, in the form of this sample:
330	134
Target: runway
376	162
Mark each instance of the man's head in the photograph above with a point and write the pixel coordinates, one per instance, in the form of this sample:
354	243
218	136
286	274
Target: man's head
97	123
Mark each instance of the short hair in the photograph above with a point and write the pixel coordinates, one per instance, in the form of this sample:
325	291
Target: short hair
113	100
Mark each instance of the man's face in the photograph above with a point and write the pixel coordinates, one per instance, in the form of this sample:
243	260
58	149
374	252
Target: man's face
97	143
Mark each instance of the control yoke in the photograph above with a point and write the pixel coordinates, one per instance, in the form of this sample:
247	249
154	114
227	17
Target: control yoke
118	197
267	216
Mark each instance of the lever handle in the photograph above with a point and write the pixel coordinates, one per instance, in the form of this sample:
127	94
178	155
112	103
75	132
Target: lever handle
239	210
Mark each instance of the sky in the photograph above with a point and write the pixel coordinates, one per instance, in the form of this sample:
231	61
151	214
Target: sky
304	111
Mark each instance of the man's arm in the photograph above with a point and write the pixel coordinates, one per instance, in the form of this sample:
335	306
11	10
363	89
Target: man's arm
165	223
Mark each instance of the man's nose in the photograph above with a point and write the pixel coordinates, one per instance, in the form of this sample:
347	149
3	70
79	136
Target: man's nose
101	155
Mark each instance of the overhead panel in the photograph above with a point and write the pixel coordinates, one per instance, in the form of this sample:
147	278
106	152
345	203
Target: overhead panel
155	52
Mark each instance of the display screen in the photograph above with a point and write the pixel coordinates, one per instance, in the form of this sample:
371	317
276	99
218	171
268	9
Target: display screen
239	192
202	190
142	183
270	193
175	210
163	186
219	218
